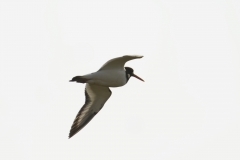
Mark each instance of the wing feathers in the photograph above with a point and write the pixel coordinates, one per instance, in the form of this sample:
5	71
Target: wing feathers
119	62
96	96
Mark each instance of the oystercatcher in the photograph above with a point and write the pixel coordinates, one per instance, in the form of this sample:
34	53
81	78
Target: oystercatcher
97	92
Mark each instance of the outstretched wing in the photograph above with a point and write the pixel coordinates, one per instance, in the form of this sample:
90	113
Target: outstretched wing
118	63
96	96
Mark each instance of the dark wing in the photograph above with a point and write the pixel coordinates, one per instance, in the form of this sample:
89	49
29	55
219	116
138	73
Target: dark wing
119	62
96	96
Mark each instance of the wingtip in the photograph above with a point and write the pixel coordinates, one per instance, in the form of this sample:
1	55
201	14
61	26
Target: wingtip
70	136
137	56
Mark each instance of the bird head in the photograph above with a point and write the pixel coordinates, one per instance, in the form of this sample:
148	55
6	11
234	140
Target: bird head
129	73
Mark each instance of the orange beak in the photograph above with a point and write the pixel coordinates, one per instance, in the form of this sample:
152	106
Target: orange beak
137	77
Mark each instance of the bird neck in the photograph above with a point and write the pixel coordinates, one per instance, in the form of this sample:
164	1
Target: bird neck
128	75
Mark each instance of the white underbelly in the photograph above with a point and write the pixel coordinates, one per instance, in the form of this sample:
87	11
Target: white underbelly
107	78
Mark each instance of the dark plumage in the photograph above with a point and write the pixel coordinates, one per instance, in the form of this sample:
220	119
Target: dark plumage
129	72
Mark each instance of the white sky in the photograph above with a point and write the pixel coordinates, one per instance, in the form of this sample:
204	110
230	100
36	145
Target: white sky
187	108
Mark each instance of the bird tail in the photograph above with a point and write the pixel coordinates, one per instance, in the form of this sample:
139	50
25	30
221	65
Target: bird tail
79	79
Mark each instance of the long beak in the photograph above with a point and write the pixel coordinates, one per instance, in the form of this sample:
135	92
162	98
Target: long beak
137	77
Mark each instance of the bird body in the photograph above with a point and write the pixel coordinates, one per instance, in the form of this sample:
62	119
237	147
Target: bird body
107	78
111	74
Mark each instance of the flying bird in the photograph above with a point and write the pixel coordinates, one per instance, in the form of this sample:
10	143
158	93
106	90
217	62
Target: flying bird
97	92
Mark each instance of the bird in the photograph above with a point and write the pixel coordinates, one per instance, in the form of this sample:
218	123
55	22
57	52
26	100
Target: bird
97	92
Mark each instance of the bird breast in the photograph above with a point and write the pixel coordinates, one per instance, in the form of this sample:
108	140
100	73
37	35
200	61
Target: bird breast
107	78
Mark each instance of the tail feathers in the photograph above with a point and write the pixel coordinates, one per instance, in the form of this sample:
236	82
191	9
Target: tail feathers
79	79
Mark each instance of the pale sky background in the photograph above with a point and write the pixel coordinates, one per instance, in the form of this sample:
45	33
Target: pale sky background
187	109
